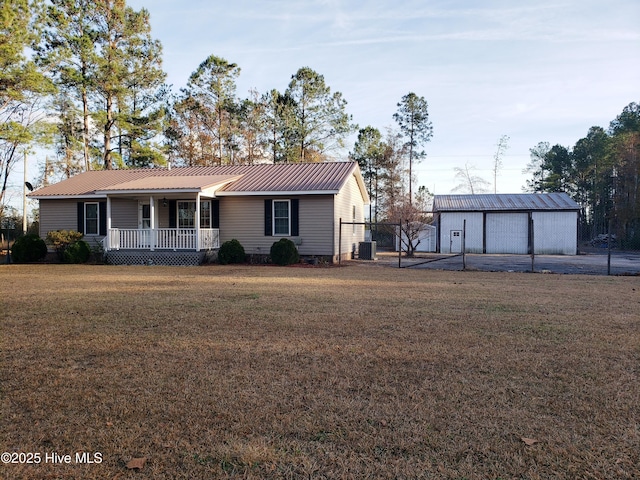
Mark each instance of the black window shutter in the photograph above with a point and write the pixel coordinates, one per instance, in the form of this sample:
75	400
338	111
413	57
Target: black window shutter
295	223
172	214
215	210
81	217
268	219
103	218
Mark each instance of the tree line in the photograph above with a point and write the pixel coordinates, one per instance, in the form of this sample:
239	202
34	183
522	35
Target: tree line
387	163
601	172
84	78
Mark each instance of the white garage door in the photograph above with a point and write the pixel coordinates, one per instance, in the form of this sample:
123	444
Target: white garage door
507	233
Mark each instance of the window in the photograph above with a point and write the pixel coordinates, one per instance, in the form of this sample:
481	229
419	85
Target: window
187	214
91	219
205	214
353	216
146	216
281	218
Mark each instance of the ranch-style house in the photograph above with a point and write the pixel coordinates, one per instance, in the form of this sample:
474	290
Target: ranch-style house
181	215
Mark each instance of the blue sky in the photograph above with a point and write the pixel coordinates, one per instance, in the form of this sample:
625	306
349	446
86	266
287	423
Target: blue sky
535	71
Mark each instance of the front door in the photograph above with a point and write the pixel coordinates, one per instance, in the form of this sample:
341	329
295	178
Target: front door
144	224
455	241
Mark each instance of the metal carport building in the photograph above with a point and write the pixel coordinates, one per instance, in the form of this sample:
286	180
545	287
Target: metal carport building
507	223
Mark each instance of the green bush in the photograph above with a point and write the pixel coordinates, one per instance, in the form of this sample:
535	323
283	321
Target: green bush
77	252
61	239
231	252
284	252
28	248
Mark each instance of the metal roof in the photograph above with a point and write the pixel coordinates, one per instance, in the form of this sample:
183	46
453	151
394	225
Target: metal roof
504	202
152	183
292	177
302	178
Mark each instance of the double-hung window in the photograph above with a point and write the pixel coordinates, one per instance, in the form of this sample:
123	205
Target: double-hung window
205	214
91	219
187	214
281	217
146	216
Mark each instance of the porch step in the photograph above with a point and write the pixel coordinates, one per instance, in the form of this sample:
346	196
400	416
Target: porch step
136	257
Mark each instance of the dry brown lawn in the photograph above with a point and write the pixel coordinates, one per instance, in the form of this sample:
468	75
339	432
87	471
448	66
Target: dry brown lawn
352	372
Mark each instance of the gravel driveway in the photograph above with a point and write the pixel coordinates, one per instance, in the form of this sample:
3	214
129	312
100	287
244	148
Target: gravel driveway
592	263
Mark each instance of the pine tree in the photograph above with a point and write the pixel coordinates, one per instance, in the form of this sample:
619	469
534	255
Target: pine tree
369	151
211	94
320	122
68	52
22	86
126	53
101	51
413	118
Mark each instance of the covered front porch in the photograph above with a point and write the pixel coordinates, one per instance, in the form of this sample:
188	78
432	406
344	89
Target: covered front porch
171	231
163	227
163	214
168	239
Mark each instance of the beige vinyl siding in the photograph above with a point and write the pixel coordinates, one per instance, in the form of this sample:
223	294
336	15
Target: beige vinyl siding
348	196
163	214
316	232
63	215
58	215
242	218
124	213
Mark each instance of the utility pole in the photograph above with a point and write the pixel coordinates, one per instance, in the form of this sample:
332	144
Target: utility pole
24	197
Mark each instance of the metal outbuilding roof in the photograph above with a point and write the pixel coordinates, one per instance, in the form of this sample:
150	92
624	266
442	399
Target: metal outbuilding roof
504	202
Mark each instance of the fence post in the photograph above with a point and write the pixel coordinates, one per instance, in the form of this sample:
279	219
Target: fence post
340	243
400	245
464	244
609	249
533	247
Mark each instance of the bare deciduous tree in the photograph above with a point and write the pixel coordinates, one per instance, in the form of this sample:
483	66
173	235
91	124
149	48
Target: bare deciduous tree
470	182
503	145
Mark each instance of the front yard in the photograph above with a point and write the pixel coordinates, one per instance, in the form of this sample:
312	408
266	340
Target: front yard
353	372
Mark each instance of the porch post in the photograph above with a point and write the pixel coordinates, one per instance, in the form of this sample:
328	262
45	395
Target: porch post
107	243
152	224
196	221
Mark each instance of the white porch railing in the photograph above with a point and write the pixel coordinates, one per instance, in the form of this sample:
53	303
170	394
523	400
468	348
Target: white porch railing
162	239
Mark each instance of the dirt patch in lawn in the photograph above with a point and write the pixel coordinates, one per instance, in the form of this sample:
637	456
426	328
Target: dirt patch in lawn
251	372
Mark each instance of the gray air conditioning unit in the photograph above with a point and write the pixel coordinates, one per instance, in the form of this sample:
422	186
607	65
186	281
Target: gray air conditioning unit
367	251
